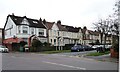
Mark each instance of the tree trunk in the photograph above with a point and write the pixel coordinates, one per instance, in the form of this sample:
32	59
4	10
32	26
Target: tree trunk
104	42
101	37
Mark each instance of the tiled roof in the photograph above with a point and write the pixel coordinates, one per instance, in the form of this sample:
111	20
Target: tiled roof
71	28
96	33
61	27
84	30
1	28
32	22
49	24
91	32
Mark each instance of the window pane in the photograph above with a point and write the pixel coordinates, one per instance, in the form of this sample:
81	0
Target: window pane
51	40
41	33
25	29
32	30
19	29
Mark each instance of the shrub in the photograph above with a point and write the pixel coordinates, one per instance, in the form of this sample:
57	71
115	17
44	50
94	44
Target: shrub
23	43
36	45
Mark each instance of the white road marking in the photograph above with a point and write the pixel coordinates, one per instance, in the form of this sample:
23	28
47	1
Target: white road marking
65	65
16	57
58	55
13	56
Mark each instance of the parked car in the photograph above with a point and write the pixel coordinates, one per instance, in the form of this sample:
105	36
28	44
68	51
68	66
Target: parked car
107	47
77	48
95	47
87	48
100	49
3	49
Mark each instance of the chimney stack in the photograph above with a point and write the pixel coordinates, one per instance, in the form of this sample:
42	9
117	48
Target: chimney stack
44	21
13	14
40	20
58	22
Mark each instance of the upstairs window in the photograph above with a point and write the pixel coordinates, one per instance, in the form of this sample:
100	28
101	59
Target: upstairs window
32	30
35	22
54	32
55	41
41	32
25	21
25	29
19	30
58	33
88	36
51	40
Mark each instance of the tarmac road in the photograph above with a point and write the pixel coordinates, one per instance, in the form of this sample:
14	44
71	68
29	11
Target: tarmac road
33	61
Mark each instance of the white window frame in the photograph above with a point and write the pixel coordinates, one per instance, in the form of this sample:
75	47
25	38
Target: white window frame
42	31
23	29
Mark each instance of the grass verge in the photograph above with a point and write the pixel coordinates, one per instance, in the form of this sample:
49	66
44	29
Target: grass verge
98	54
52	52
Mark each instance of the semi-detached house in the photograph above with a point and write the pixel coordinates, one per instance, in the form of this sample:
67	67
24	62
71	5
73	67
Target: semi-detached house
90	36
59	35
20	29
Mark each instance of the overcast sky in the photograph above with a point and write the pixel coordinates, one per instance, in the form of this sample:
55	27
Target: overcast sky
77	13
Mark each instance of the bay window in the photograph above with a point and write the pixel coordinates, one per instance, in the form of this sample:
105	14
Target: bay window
41	32
25	29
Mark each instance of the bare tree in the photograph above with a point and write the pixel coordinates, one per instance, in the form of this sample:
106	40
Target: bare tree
109	25
104	28
115	27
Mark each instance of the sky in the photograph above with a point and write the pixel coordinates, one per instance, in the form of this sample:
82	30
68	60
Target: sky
77	13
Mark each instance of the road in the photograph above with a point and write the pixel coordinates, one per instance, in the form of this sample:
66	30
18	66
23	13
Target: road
33	61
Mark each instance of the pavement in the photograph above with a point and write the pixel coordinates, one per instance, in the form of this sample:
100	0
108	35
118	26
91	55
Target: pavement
103	58
106	57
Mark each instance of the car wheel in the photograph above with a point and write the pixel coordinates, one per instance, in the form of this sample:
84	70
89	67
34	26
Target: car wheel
78	50
83	49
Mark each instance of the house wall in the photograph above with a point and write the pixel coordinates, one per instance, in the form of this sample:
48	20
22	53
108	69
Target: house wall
79	36
36	32
10	29
18	30
53	35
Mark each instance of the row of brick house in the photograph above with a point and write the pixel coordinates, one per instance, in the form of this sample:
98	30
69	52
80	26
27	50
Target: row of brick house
18	29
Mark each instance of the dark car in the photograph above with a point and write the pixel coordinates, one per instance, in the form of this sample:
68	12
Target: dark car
77	48
100	49
87	48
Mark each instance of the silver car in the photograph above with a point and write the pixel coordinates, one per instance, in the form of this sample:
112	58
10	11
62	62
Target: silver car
3	49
